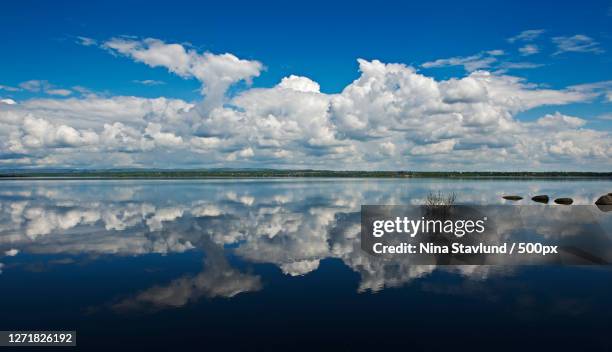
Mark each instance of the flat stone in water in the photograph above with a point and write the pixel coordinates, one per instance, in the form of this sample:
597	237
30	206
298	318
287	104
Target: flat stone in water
512	197
543	198
564	201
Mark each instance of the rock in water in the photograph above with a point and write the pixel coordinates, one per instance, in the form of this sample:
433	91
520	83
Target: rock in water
512	197
564	201
604	203
540	199
606	199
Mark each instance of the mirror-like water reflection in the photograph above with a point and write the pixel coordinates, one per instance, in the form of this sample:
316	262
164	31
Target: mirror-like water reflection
253	263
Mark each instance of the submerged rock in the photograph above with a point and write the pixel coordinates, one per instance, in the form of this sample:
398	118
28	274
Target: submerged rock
543	198
604	203
564	201
512	197
604	208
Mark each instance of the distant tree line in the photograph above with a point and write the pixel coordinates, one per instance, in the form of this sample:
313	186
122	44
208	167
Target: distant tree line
264	173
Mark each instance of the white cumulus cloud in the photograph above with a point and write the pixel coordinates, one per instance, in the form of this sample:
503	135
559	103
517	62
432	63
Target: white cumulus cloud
391	116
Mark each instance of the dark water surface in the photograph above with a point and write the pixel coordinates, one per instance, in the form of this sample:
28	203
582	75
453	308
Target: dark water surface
276	264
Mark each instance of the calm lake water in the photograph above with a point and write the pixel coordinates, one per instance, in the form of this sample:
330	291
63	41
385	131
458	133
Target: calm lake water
266	264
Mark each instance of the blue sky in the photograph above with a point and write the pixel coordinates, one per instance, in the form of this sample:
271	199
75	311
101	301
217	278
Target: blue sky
61	45
319	39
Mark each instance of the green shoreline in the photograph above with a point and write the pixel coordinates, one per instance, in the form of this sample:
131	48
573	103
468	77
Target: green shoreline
206	174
